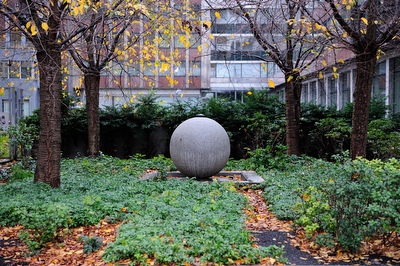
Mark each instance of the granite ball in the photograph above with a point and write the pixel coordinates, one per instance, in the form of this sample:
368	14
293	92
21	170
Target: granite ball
199	147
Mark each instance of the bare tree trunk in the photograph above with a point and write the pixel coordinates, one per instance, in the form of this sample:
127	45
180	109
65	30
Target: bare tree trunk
49	147
366	63
92	83
293	114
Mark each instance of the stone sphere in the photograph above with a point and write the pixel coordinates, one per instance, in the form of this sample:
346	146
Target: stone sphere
199	147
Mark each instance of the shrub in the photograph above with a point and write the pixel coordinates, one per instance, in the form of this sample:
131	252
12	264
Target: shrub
22	137
342	203
330	136
383	141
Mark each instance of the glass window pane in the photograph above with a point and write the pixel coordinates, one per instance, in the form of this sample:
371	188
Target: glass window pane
26	69
3	69
15	71
195	69
251	70
225	70
180	70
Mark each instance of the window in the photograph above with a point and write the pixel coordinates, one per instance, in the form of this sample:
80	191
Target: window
3	69
332	92
149	69
251	70
379	86
26	69
304	93
164	41
321	92
344	88
133	70
117	70
180	70
183	41
26	108
313	92
15	38
268	69
5	106
227	70
240	70
195	69
396	83
15	71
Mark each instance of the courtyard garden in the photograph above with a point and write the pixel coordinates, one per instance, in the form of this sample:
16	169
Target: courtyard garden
105	213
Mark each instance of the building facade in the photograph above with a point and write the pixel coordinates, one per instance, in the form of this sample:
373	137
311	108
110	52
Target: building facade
19	84
336	89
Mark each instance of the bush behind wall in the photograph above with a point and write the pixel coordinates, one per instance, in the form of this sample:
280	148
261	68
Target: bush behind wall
146	125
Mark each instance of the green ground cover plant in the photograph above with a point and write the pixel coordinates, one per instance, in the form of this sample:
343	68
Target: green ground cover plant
339	204
171	221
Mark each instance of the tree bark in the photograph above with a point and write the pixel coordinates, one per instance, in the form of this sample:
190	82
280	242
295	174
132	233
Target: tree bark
365	63
293	113
49	146
92	83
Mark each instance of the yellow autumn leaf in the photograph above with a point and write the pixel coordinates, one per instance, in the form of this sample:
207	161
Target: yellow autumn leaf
217	15
334	69
321	76
289	78
207	24
164	67
365	21
28	24
271	84
324	63
341	60
45	26
33	30
212	37
199	48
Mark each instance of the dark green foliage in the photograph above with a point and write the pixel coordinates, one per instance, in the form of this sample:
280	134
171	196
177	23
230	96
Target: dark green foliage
383	140
173	221
22	138
257	122
330	136
339	203
91	244
180	111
